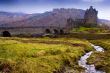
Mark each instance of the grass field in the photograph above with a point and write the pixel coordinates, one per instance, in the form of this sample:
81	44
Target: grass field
90	30
41	55
101	59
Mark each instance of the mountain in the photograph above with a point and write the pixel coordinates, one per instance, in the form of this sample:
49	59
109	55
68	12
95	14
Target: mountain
52	18
56	17
104	23
7	17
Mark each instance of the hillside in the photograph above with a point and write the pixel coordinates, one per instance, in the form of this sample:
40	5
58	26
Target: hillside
56	17
7	17
104	23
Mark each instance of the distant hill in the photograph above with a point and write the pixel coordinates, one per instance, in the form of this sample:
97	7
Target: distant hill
57	17
7	17
52	18
104	22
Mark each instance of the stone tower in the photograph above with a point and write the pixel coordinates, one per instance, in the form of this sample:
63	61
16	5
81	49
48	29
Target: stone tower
69	23
90	17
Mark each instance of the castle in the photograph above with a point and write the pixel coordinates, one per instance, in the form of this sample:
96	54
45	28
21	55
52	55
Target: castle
89	20
90	17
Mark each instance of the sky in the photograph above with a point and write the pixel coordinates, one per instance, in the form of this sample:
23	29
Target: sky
40	6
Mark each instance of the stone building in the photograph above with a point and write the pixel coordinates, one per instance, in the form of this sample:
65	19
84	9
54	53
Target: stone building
91	17
89	20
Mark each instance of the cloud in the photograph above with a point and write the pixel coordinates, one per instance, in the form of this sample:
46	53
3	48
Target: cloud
92	1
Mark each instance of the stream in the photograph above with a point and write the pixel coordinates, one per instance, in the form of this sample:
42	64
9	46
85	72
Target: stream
83	62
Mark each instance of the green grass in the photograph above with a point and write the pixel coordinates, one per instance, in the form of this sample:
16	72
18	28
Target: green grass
89	30
40	55
101	59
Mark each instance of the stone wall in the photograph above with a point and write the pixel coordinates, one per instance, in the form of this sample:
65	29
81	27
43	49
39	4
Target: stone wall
31	30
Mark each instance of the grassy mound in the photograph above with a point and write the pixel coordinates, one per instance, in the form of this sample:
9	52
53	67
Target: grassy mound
40	55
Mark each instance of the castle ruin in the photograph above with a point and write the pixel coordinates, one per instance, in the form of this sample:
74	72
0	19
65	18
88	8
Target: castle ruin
89	20
90	17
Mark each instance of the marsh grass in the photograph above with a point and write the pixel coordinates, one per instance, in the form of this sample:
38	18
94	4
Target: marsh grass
29	55
101	59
